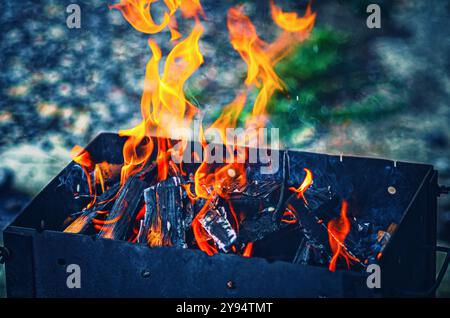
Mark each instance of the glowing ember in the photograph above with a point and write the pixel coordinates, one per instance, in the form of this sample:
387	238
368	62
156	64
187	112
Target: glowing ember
248	250
338	230
289	216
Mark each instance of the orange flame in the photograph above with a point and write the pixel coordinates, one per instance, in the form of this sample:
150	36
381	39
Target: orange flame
295	30
290	21
77	225
137	13
248	250
245	40
289	215
82	157
163	104
204	241
261	57
191	9
338	230
229	116
304	186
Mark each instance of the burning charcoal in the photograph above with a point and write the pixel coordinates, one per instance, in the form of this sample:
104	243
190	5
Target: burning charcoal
124	210
261	189
309	253
189	215
216	223
163	222
105	200
256	196
258	227
313	216
81	222
269	219
318	207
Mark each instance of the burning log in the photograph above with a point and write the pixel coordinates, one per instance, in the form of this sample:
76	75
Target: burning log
311	253
216	223
82	221
124	210
257	228
317	215
268	220
163	223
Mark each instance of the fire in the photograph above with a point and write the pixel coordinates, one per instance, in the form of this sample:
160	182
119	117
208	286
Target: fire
289	215
191	8
77	225
211	181
290	21
304	186
338	230
82	157
204	241
248	250
260	72
137	13
164	106
295	30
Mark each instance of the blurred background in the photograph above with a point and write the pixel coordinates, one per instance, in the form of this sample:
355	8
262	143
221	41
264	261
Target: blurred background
350	89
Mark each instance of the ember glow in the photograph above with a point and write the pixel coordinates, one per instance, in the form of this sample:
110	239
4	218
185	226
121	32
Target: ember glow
164	106
339	229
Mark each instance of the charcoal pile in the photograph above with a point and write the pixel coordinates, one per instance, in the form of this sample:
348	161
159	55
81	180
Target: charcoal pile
264	217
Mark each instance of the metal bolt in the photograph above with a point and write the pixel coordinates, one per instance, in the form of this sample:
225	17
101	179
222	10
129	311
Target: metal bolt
231	284
145	273
392	190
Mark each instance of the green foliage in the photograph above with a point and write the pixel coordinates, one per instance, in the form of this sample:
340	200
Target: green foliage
328	80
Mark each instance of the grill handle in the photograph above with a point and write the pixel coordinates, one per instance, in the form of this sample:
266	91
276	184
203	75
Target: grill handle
439	277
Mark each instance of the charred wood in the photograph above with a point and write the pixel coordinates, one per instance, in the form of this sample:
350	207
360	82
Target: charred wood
163	223
81	222
216	223
123	212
